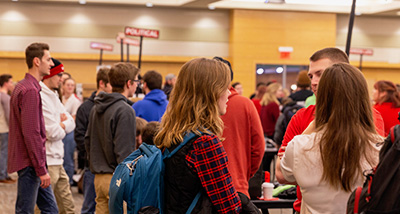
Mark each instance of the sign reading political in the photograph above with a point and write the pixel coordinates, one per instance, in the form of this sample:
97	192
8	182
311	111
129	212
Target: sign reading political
131	31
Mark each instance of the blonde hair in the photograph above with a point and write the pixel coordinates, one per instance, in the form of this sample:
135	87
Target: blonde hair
193	105
345	117
270	94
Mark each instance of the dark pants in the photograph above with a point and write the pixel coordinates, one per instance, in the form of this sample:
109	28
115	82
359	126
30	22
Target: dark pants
69	149
30	193
89	193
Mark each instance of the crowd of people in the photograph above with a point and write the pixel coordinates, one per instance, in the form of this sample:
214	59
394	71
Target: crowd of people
43	123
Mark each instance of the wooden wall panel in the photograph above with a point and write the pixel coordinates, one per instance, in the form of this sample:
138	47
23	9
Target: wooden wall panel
255	37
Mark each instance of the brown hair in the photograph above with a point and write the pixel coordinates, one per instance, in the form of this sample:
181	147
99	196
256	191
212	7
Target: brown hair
120	73
150	131
392	94
35	50
4	78
140	124
334	54
193	105
345	116
260	91
102	75
153	80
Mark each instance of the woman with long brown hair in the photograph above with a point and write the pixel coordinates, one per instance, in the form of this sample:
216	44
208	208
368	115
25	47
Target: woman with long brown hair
387	102
196	102
327	161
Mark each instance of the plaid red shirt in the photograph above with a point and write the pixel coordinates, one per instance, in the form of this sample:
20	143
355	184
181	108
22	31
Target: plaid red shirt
209	160
27	136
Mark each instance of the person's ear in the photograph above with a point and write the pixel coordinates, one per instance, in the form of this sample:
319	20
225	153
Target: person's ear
36	61
101	84
129	83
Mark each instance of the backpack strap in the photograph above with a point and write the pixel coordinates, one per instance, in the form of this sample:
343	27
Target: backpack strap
194	202
357	199
189	136
392	137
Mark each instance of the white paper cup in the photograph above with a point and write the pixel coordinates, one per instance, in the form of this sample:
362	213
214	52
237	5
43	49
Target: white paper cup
267	190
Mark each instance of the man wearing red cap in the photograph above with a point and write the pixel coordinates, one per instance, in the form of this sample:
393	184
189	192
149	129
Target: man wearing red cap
58	123
26	149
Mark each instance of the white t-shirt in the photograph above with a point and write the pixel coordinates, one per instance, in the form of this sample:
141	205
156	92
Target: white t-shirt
302	163
71	104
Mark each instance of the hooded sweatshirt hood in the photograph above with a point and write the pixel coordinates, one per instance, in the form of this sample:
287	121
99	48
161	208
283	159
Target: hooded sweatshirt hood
104	100
153	106
158	96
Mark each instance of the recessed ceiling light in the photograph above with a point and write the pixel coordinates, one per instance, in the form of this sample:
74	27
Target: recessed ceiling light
260	71
14	0
210	7
82	1
148	4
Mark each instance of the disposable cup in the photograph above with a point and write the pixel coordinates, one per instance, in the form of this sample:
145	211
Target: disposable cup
267	190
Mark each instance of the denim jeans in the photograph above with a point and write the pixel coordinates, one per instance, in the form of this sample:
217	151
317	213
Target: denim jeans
30	193
3	155
69	149
89	193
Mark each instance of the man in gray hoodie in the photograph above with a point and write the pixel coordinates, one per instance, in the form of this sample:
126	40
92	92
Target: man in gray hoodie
111	132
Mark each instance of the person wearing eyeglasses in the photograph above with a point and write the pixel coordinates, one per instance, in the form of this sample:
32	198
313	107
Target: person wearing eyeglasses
154	104
111	133
58	123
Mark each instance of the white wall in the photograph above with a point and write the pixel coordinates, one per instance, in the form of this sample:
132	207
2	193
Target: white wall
382	34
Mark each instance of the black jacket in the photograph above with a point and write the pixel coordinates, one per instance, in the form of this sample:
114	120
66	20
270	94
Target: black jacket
81	122
182	184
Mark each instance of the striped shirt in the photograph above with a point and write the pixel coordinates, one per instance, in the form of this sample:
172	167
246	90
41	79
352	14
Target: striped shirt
27	135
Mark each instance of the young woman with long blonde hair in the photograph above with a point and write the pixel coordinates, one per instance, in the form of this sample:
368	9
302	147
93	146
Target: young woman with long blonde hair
196	102
270	109
327	161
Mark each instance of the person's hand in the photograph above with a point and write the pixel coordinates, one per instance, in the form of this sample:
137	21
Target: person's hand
62	125
310	129
45	180
63	117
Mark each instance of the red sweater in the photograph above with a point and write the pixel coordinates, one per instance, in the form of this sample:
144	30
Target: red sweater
269	115
257	104
300	122
389	115
244	140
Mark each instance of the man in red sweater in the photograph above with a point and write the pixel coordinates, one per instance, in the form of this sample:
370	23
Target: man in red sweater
319	61
244	139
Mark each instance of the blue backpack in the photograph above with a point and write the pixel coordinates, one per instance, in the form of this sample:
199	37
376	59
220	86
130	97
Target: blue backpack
139	180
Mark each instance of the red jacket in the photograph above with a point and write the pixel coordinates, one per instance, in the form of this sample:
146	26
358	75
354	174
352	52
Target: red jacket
389	115
244	140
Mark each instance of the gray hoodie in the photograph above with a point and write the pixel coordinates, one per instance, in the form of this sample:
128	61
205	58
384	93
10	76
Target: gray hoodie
111	132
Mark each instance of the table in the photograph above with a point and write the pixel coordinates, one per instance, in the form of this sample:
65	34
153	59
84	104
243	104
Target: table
278	204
